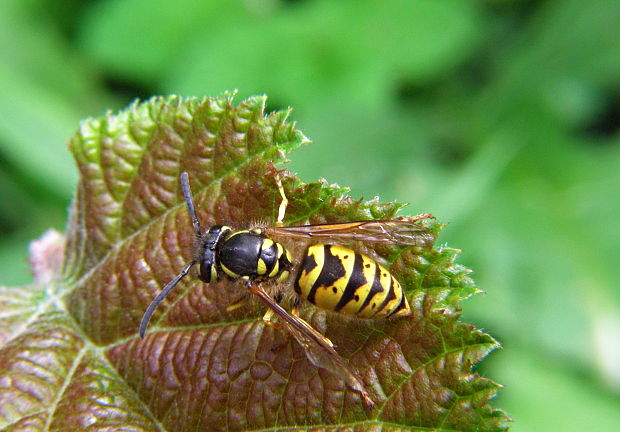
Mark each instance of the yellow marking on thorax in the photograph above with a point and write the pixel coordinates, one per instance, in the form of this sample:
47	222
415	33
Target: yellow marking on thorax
283	276
229	272
237	233
267	243
276	267
261	267
288	256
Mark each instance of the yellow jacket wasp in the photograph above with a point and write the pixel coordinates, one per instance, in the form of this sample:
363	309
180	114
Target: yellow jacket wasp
329	275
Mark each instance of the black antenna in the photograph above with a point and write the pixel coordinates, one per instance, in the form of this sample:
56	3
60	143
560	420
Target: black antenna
149	310
187	192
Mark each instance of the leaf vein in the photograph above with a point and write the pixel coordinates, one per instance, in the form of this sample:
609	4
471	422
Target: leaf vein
427	363
66	382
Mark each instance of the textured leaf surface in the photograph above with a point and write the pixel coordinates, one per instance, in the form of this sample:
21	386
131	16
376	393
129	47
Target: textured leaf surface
70	355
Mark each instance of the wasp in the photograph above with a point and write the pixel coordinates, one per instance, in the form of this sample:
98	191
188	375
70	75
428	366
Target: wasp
330	275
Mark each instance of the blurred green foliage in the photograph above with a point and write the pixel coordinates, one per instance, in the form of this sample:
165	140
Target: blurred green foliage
501	117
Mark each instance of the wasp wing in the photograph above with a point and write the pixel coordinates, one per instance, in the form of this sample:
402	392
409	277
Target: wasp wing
402	231
318	348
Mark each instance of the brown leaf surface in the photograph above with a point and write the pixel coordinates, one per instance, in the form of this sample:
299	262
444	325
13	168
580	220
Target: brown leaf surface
71	358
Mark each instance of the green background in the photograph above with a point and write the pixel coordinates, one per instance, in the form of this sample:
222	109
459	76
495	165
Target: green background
500	117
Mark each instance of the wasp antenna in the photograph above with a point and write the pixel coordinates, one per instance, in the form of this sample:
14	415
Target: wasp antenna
149	311
187	192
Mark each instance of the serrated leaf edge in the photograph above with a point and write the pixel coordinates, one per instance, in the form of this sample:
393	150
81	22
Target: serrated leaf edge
234	169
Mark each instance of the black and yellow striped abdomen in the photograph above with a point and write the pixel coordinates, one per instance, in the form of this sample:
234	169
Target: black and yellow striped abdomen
339	279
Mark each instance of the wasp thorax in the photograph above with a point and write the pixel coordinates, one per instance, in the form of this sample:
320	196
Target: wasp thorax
241	254
248	254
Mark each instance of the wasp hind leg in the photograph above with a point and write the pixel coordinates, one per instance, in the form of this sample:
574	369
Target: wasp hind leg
295	312
269	313
295	307
318	350
268	318
284	203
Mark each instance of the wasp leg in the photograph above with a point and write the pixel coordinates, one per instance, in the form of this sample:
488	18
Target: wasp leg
282	210
318	351
295	312
237	305
269	313
295	307
268	317
278	297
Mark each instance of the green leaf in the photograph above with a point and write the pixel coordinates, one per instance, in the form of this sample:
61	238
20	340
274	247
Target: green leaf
71	358
40	106
291	51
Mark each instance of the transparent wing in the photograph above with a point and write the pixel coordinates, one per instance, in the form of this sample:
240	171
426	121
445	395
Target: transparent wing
402	231
319	349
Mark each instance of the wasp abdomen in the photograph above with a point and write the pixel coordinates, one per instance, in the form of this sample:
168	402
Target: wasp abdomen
339	279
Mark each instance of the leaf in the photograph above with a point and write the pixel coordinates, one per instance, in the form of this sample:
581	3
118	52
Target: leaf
71	358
